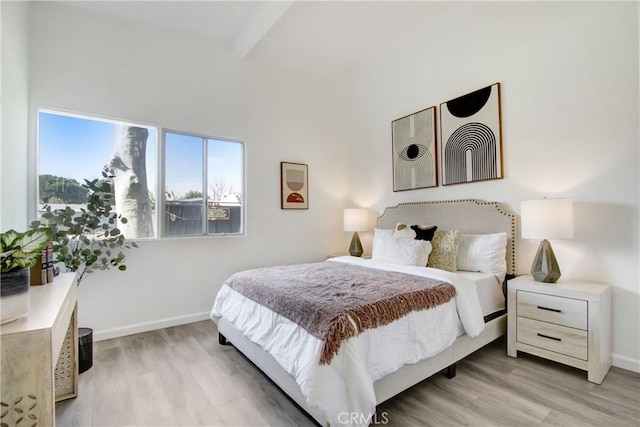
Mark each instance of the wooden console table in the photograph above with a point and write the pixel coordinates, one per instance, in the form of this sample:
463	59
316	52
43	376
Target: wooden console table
39	355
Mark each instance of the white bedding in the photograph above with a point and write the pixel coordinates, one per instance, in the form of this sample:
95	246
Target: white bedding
345	386
489	291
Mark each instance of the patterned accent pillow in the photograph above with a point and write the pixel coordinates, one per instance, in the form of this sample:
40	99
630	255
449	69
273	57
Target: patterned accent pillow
418	232
445	249
424	232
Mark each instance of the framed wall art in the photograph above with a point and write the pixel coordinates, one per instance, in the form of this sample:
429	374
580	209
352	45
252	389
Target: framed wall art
471	137
294	186
413	140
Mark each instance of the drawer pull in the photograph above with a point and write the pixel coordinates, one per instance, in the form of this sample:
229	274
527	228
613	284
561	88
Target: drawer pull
547	336
550	309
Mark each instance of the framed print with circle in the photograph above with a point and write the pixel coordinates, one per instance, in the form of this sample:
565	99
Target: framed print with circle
413	140
294	186
471	137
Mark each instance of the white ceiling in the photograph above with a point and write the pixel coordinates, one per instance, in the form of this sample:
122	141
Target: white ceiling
334	32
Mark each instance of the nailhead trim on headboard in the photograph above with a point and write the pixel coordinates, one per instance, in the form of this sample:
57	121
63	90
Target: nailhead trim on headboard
509	226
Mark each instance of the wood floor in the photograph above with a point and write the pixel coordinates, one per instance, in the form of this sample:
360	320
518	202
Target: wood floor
181	376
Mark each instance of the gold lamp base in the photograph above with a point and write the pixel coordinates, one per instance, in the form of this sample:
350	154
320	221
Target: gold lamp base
355	249
545	266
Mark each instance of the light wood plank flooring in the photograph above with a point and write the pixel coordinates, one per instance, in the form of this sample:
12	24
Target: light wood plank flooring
181	376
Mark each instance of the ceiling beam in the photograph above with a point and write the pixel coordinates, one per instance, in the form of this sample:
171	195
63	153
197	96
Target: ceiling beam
258	26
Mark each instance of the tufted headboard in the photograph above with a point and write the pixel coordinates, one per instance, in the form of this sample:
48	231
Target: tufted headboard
470	216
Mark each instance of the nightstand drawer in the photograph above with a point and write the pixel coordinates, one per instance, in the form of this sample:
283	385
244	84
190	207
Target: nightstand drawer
553	309
560	339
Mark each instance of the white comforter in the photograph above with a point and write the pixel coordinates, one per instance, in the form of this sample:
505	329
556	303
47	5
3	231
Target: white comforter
342	393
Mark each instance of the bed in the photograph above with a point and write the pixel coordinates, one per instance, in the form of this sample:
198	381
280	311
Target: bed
344	390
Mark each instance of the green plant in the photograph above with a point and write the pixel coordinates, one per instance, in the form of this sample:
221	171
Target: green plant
22	250
89	239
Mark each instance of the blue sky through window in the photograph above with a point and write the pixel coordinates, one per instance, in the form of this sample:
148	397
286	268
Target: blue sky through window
183	170
78	148
225	164
184	173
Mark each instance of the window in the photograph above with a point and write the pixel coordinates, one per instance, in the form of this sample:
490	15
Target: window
203	185
202	176
74	148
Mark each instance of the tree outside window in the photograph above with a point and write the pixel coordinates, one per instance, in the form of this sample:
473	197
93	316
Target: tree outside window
74	148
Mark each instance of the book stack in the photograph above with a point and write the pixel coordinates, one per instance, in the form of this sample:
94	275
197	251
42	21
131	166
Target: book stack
43	272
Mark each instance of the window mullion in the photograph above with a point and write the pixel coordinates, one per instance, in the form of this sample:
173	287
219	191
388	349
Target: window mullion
161	196
205	174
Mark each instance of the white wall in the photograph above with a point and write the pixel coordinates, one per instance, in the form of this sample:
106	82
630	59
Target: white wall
97	65
14	116
569	76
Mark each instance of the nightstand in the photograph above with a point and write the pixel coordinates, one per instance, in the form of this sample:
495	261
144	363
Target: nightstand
568	322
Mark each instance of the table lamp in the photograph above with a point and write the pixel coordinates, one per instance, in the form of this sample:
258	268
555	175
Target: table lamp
546	219
356	220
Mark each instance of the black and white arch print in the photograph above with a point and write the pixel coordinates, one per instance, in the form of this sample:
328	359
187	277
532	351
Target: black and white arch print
471	137
414	151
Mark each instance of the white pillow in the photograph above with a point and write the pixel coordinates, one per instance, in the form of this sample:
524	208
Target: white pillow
403	231
485	253
382	232
400	251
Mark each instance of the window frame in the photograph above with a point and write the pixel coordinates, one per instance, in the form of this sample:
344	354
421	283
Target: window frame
162	207
160	178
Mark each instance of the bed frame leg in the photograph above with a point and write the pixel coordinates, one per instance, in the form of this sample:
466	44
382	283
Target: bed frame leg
451	371
222	340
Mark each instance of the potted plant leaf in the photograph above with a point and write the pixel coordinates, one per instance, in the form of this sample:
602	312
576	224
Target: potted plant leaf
88	240
19	252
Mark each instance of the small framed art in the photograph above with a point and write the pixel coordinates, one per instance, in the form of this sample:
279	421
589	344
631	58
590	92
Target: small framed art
294	186
471	138
413	140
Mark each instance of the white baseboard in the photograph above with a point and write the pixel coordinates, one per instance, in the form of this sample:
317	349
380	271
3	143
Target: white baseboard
148	326
624	362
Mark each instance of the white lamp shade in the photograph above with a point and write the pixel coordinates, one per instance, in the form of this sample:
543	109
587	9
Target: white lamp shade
356	219
547	219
